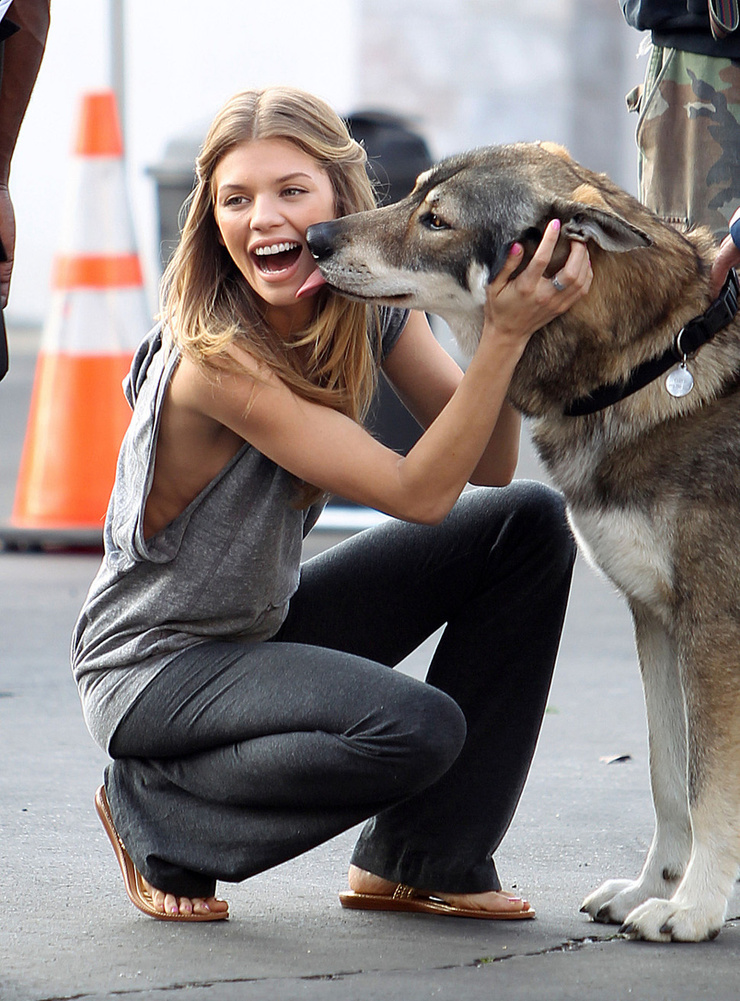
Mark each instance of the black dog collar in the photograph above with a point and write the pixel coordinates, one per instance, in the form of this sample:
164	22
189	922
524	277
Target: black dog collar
688	340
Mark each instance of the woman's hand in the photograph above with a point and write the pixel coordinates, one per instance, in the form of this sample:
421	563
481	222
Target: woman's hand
515	309
727	257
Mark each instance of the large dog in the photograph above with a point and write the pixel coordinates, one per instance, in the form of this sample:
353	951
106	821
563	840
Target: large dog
652	480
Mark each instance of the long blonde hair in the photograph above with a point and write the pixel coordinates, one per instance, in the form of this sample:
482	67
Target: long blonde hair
208	304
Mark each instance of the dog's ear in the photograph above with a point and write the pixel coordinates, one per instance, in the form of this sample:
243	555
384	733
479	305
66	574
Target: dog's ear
588	217
606	229
585	217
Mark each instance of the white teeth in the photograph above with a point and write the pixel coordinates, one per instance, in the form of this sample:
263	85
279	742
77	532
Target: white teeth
276	248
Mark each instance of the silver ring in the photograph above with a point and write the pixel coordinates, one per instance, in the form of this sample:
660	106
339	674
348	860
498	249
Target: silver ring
559	287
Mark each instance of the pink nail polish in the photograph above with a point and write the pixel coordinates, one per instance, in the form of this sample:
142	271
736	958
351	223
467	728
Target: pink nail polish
516	248
556	224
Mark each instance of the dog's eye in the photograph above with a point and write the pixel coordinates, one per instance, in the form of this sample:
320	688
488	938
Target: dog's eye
432	221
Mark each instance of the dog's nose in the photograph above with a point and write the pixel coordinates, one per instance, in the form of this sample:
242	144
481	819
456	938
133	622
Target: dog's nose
319	240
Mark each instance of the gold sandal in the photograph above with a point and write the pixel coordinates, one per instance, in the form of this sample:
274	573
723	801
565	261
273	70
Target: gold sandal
136	888
406	898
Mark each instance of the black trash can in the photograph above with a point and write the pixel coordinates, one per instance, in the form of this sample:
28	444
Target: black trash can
396	156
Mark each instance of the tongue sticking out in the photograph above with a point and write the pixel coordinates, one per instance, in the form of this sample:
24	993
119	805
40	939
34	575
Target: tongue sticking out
312	284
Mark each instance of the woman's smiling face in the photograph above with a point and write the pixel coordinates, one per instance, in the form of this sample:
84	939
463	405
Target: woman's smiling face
267	192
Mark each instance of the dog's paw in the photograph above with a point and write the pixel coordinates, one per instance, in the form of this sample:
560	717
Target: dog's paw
668	921
615	899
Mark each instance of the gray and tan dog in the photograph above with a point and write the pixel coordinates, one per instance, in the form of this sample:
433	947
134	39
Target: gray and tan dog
652	480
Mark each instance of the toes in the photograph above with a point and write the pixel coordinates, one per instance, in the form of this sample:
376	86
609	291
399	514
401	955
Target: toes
511	902
518	903
168	903
524	905
159	899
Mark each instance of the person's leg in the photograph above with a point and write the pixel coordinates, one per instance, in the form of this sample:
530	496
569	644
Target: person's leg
497	572
240	756
379	596
688	136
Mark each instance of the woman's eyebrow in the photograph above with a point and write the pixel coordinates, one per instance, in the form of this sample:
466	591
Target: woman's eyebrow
236	186
290	177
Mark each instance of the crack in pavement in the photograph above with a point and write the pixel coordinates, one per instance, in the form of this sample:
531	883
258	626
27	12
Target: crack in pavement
570	945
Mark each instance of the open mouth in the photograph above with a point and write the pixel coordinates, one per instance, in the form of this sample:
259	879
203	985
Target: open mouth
277	257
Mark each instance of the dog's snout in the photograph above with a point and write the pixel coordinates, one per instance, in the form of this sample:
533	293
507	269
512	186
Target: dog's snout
319	238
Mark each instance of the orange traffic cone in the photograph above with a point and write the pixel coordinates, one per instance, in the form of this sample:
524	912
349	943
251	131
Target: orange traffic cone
98	314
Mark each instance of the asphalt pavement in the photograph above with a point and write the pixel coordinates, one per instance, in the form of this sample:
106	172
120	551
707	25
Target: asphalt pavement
68	931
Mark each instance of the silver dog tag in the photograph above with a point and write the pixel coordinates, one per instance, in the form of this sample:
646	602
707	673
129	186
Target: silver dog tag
679	381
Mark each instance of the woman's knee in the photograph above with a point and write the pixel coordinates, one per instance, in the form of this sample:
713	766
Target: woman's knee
422	736
538	518
551	522
436	733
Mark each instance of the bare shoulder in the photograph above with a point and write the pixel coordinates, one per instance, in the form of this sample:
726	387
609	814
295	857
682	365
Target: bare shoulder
220	395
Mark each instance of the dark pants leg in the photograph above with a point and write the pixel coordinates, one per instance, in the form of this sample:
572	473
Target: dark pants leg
497	572
240	756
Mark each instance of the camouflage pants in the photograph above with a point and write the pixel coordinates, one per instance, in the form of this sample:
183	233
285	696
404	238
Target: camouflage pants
688	137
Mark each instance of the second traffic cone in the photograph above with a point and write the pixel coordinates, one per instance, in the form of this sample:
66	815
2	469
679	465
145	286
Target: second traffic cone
98	314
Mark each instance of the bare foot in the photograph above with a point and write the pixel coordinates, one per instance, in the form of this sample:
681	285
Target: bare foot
492	900
168	903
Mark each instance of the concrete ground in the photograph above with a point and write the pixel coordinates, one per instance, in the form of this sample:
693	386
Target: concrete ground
67	930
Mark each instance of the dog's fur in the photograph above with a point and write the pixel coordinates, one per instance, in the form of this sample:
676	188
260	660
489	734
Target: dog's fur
652	483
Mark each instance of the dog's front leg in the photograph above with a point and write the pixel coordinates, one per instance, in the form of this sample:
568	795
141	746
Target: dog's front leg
711	683
669	852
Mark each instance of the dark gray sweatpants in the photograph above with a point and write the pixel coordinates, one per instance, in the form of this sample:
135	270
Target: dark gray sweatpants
241	755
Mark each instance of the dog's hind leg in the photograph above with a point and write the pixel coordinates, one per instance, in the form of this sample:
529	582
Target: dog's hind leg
670	850
711	682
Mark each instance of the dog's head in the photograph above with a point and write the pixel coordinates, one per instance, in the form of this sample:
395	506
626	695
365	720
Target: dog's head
439	248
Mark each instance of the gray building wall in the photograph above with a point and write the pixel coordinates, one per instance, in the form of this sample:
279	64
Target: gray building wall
474	72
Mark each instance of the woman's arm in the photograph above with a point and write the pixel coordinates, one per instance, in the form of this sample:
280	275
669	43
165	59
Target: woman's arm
22	59
425	377
331	451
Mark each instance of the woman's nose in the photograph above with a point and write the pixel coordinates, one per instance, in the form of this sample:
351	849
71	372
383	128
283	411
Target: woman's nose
265	212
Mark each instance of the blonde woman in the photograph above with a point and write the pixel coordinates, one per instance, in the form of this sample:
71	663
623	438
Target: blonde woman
246	701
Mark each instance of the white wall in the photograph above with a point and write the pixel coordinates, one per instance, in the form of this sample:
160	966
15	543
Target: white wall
470	72
183	60
477	72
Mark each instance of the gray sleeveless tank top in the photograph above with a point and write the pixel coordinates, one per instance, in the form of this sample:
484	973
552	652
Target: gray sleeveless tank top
225	568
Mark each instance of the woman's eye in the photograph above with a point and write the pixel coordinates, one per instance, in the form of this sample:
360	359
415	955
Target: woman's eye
294	191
